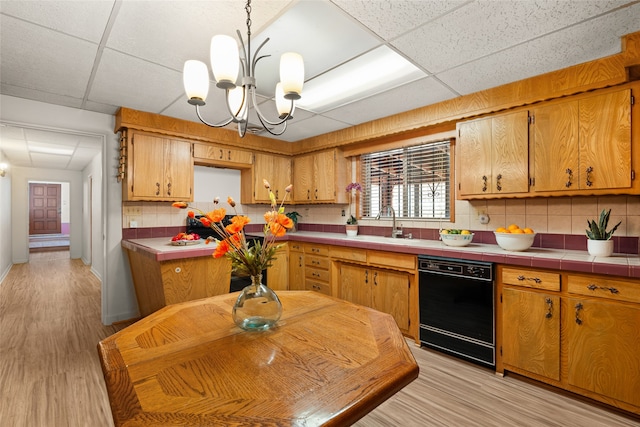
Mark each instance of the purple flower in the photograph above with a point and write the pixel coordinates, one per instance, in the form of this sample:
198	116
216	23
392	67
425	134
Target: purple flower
354	186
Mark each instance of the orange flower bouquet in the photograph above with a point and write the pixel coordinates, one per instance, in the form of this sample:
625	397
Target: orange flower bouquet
246	260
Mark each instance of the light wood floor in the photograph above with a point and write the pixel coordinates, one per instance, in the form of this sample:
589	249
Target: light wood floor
50	374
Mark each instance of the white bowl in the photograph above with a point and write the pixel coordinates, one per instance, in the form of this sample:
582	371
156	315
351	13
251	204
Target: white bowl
456	239
514	242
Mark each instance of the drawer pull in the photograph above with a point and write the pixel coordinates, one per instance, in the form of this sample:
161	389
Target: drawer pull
578	308
484	183
535	279
498	184
569	178
549	302
375	278
593	287
366	276
589	182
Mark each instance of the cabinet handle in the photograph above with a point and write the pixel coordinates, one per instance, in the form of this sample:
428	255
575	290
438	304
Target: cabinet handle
229	155
375	278
593	287
569	178
484	183
534	279
549	302
578	308
316	192
366	276
300	261
168	189
221	154
498	185
589	170
277	194
308	194
157	188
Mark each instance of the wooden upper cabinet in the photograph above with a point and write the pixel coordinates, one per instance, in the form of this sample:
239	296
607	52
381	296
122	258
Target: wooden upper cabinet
320	177
583	144
158	169
218	155
273	168
493	155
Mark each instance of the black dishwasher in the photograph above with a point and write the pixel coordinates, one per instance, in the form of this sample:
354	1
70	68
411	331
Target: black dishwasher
457	307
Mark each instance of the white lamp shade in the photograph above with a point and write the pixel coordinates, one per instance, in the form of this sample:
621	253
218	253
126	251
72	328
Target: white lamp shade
291	74
195	77
283	105
235	98
225	60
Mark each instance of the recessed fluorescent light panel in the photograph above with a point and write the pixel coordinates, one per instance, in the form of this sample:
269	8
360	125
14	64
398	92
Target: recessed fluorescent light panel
367	75
50	150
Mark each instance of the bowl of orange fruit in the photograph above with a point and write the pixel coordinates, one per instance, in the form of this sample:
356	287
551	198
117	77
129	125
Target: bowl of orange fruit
514	238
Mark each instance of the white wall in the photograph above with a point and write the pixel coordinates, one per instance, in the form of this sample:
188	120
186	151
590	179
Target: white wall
5	222
118	297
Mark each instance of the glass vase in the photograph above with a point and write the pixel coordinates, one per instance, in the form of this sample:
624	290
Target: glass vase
257	307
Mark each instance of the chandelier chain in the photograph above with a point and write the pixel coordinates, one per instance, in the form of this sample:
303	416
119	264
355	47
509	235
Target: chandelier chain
247	8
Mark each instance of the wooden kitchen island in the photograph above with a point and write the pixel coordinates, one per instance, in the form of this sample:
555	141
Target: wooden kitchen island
328	362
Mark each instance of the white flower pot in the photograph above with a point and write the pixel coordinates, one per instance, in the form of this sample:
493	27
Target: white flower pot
352	230
602	248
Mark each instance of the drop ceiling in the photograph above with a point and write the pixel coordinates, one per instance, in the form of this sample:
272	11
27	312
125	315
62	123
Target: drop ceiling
100	55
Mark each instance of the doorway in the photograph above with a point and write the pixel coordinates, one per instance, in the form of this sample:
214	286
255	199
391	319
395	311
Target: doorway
48	216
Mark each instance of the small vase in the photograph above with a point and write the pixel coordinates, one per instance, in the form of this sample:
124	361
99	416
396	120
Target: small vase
352	230
602	248
257	307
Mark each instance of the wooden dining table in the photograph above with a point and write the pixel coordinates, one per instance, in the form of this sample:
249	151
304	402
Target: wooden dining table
327	362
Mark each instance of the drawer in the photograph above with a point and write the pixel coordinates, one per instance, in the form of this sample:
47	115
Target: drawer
323	288
316	274
317	262
314	249
531	279
296	247
604	287
392	260
348	254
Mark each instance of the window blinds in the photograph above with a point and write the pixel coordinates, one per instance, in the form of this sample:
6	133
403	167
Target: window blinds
414	181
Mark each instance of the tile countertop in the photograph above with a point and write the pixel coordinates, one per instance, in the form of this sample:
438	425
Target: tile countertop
624	265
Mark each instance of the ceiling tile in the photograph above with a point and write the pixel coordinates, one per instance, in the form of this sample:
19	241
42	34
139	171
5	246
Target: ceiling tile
404	98
49	53
301	129
574	45
389	19
133	83
84	19
483	27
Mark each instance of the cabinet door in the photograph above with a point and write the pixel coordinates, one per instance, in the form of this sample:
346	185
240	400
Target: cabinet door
531	331
278	273
303	177
147	161
510	153
178	165
474	157
390	294
605	141
296	271
354	284
215	154
603	348
555	147
324	176
276	170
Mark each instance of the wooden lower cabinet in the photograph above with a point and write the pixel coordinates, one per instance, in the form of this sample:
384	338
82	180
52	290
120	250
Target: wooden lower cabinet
296	267
383	290
603	348
531	333
278	273
579	332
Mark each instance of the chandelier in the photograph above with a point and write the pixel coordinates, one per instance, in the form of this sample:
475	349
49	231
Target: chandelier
240	98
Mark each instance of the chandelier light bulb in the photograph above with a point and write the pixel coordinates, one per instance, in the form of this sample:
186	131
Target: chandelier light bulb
225	61
195	77
291	74
283	105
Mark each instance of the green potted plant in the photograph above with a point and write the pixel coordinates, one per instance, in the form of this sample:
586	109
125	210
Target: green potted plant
599	241
293	216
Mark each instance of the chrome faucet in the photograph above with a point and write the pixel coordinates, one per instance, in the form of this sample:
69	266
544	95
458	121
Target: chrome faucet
395	232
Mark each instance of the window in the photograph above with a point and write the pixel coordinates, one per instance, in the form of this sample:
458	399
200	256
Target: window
414	181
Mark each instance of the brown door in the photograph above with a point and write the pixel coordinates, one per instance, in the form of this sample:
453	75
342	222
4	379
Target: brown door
44	208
